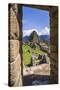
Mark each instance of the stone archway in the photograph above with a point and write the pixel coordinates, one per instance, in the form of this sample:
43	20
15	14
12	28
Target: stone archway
15	44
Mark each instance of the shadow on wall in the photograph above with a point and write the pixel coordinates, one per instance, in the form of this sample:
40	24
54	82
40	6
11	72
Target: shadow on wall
35	80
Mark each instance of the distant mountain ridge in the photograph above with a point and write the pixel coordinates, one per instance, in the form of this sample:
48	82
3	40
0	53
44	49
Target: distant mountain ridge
44	37
25	38
35	37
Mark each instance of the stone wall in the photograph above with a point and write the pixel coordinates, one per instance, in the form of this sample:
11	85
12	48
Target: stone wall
15	77
54	43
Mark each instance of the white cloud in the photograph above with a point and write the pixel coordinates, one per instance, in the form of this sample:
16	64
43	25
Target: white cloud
44	31
28	32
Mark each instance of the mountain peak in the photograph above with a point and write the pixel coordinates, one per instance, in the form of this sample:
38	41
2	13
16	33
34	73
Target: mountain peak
34	37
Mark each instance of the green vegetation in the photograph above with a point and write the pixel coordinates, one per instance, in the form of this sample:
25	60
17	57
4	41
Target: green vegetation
28	51
26	54
32	47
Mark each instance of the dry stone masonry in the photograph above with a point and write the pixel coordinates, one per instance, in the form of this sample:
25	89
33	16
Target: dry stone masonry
15	78
54	43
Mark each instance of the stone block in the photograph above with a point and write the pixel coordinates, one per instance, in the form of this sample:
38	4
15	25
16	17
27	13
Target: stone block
14	25
15	72
14	49
54	56
53	48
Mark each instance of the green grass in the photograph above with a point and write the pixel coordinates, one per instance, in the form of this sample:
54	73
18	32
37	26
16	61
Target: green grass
27	53
37	51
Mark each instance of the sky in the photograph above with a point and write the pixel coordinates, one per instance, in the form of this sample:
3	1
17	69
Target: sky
35	20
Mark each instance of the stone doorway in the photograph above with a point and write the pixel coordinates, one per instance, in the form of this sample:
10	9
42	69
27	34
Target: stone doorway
35	46
15	43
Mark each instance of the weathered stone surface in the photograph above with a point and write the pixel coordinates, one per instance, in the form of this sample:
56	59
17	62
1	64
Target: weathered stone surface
15	71
54	43
53	48
15	76
14	25
14	49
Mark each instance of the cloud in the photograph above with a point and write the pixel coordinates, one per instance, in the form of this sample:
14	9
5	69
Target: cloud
28	32
44	31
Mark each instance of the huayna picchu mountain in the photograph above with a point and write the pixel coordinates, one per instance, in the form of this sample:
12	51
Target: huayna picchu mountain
34	37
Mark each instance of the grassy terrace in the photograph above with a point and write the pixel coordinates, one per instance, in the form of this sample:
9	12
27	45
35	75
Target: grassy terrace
27	53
